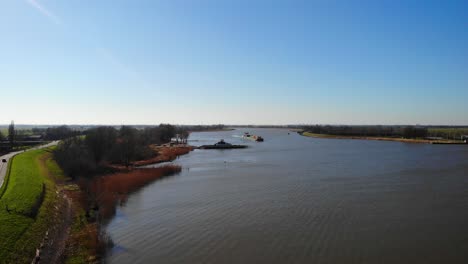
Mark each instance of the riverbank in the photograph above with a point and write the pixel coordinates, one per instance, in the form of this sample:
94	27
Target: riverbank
404	140
112	190
98	197
165	153
48	217
212	130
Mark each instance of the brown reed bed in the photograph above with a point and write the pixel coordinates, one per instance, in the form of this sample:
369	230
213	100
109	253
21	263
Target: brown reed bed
106	192
94	202
164	154
97	198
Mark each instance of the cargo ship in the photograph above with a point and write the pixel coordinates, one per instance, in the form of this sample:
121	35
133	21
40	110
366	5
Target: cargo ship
252	137
222	145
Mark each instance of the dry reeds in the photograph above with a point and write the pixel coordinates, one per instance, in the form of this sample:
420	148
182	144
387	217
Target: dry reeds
165	153
108	191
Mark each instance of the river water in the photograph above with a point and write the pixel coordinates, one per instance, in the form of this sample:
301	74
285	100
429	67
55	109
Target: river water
293	199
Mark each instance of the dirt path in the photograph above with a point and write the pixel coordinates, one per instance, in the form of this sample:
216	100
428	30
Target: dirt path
56	237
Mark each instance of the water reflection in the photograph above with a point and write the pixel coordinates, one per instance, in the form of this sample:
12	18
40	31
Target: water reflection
292	199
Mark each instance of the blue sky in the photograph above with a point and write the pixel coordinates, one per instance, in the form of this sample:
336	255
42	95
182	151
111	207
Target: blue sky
233	62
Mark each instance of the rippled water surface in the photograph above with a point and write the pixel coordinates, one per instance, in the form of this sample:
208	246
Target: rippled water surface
293	199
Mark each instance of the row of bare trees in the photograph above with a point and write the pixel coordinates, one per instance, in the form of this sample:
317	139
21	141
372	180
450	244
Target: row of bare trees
369	131
89	154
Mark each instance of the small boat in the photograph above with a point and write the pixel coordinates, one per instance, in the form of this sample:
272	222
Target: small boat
252	137
222	145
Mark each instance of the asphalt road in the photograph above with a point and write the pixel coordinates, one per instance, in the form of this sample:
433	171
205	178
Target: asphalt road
7	157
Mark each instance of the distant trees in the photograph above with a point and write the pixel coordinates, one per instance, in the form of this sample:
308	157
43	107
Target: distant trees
58	133
166	132
160	134
369	131
454	133
11	134
414	132
100	141
373	131
104	145
127	144
2	137
183	134
75	158
203	128
150	135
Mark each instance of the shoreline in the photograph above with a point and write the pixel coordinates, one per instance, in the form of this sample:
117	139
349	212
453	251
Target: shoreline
403	140
212	130
165	153
122	181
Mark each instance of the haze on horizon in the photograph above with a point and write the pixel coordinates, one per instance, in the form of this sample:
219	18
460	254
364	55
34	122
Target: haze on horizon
234	62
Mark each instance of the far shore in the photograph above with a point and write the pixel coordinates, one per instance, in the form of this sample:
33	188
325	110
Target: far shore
405	140
213	130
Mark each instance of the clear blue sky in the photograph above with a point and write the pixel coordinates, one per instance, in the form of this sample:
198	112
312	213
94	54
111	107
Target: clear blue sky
233	62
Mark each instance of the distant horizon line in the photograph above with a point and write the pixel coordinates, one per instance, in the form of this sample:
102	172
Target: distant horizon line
238	125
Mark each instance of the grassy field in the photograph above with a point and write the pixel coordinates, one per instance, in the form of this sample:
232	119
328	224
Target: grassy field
30	197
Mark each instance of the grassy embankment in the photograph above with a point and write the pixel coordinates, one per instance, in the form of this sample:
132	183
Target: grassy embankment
32	179
26	205
406	140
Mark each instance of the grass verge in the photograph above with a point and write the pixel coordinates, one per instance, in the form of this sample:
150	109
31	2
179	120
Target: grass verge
26	207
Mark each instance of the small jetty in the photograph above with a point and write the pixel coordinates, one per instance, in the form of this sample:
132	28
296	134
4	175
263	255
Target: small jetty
222	145
252	137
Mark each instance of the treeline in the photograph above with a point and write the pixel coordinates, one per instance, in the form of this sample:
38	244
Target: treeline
56	133
369	131
50	133
203	128
90	154
449	132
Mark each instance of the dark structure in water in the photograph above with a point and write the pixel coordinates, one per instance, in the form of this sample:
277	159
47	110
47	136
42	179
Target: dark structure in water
222	145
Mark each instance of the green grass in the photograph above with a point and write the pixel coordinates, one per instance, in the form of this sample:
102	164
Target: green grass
22	232
25	185
53	167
